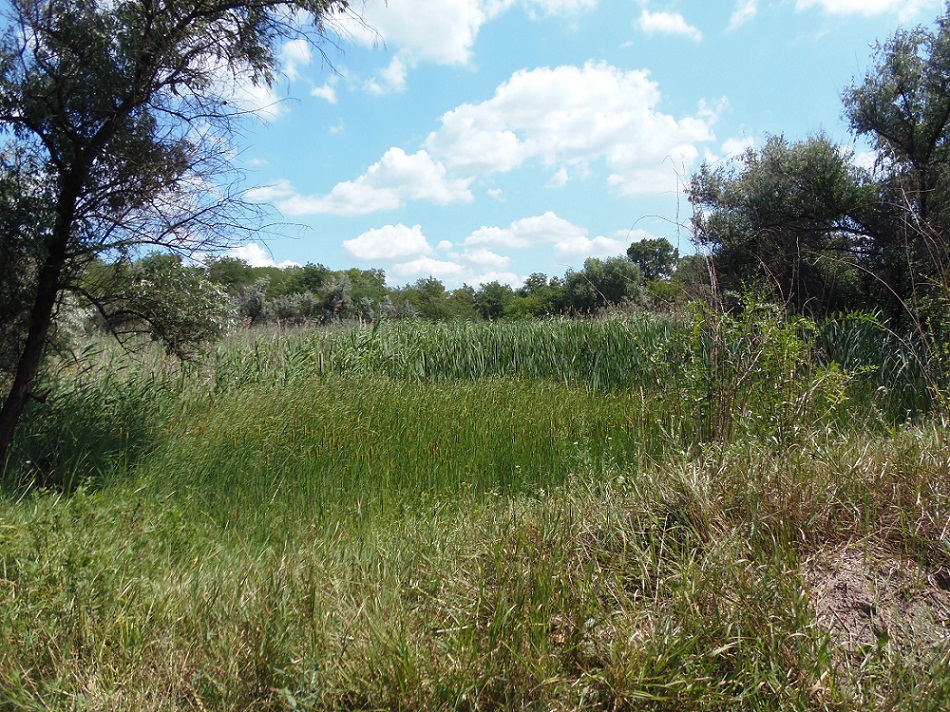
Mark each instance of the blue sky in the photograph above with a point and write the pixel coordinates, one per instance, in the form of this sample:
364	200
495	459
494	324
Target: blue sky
475	140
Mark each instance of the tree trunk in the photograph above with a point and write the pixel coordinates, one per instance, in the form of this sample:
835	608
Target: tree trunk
41	317
48	284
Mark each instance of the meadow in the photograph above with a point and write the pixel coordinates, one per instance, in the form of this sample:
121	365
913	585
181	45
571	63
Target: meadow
641	512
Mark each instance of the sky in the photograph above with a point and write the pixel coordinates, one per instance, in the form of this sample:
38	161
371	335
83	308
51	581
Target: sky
481	140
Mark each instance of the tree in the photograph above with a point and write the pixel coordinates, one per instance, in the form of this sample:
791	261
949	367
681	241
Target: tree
903	105
656	257
232	273
538	296
603	283
794	217
429	298
115	117
492	298
176	305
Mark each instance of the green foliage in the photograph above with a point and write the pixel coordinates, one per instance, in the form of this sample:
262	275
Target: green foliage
755	374
903	106
603	283
232	273
790	218
655	257
480	515
174	304
100	156
493	299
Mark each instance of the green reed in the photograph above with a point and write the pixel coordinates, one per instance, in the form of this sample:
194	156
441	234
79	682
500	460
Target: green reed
260	460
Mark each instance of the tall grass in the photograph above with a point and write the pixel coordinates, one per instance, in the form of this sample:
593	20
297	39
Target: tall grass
706	378
293	453
600	355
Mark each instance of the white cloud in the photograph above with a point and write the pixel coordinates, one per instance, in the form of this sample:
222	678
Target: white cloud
391	80
428	267
509	278
559	179
557	7
570	116
528	232
737	146
486	259
390	242
905	9
396	178
258	99
255	255
668	23
581	246
327	91
294	55
745	11
438	31
866	160
278	190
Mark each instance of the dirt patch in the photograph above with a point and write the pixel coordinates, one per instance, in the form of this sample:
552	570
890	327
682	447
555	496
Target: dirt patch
867	599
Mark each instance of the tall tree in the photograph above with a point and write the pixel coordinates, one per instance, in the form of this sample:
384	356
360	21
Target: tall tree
114	116
903	105
656	257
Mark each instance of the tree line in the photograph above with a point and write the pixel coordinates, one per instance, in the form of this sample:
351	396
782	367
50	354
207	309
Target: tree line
183	304
650	275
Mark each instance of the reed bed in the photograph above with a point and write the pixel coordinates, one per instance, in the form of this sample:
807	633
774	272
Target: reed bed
603	354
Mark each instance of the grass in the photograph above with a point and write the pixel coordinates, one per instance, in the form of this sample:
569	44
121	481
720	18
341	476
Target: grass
404	519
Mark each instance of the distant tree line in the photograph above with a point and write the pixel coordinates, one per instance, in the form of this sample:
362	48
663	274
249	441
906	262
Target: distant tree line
651	275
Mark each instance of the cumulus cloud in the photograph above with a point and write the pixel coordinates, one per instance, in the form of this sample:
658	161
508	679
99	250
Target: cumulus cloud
737	146
582	246
486	259
905	9
668	23
483	256
391	242
438	31
559	179
509	278
434	31
294	55
428	267
257	256
327	91
568	240
396	178
567	117
527	232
